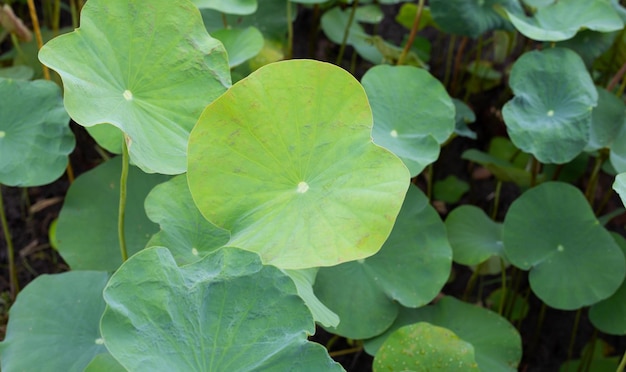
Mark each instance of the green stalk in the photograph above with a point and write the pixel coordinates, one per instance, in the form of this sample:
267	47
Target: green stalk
471	283
503	295
572	339
496	200
536	165
289	31
346	32
56	16
542	316
595	175
416	23
74	12
14	285
122	207
587	357
429	181
622	364
446	79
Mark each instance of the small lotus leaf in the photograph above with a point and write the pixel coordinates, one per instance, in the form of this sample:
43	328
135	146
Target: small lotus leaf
497	344
573	261
35	137
55	323
239	7
463	116
474	236
135	65
192	318
450	189
589	44
410	269
598	362
561	20
501	169
468	17
606	121
411	120
240	44
183	228
370	13
519	303
295	176
550	115
87	225
609	316
425	347
406	16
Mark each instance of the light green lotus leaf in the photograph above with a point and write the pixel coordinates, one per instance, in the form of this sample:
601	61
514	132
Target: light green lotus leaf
104	363
617	156
35	137
620	186
497	344
225	312
239	7
589	44
450	189
609	316
87	226
406	16
54	323
561	20
468	17
304	279
107	136
295	176
474	236
463	116
573	260
410	269
183	228
17	73
137	66
370	13
411	120
550	115
334	23
424	347
606	121
241	44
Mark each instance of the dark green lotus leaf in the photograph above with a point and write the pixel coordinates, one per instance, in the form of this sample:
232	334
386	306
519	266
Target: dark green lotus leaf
589	44
87	226
225	312
599	361
411	120
568	172
463	116
573	260
450	189
561	20
183	228
503	148
239	7
35	137
501	169
609	316
497	344
468	17
54	323
520	304
17	73
606	121
550	115
135	65
104	363
241	44
334	23
410	269
295	176
474	236
425	347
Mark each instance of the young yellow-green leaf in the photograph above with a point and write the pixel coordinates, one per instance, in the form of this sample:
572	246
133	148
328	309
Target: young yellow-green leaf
225	312
239	7
146	66
35	137
285	161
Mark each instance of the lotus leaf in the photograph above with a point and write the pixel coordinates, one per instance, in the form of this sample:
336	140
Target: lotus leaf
240	7
474	236
468	17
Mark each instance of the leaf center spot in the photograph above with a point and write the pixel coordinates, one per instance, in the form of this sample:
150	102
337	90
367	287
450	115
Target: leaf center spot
394	133
560	248
128	95
194	251
99	341
302	187
2	133
551	113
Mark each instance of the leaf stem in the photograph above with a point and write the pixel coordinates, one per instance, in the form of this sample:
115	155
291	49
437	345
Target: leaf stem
496	200
446	79
409	42
503	291
289	31
616	78
14	285
122	206
595	175
37	30
346	32
622	364
345	351
572	338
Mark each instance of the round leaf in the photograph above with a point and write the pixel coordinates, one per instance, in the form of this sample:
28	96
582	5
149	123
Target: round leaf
468	17
226	312
573	261
183	228
411	120
410	269
497	344
474	236
87	226
55	323
304	279
35	137
561	20
135	65
295	176
424	347
464	116
241	44
450	189
606	121
550	115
